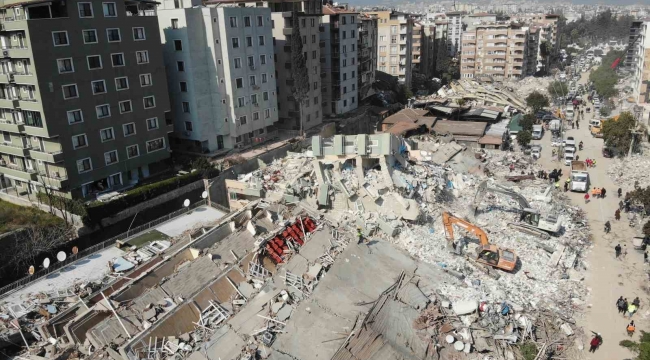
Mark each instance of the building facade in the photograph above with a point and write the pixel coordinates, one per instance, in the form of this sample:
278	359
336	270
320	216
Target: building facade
367	54
83	108
221	75
498	51
394	47
340	66
454	32
638	61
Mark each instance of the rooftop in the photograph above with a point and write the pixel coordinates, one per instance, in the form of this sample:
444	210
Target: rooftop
466	128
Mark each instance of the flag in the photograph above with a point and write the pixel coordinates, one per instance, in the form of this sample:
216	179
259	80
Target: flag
615	63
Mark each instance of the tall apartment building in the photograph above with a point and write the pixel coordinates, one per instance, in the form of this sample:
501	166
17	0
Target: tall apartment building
309	14
367	54
499	51
221	75
638	60
454	32
470	21
424	44
83	107
339	60
533	56
395	44
551	24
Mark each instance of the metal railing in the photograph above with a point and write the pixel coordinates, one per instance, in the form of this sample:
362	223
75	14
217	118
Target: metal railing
98	247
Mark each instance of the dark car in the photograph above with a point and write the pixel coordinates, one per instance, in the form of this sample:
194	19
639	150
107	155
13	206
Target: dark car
607	152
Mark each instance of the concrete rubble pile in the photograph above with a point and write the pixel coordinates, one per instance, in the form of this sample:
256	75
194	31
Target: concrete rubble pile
628	171
527	85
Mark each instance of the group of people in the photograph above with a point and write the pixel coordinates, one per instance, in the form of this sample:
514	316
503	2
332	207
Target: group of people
626	308
590	162
555	175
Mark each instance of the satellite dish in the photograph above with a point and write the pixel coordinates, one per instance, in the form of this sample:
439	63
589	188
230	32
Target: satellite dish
46	263
204	195
31	270
61	256
186	203
75	250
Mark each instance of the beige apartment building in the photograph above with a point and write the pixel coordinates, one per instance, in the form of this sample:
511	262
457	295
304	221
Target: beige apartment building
498	51
638	61
84	105
424	48
367	54
550	27
394	46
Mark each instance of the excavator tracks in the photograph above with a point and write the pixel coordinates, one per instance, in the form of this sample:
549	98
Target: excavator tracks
531	230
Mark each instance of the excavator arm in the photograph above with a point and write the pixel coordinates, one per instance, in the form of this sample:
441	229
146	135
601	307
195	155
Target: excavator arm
484	188
448	220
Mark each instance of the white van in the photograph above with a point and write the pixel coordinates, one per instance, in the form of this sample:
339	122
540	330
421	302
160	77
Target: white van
569	113
568	158
538	132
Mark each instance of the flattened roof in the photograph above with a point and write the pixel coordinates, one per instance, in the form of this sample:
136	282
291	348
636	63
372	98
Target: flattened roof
490	140
402	128
467	128
405	115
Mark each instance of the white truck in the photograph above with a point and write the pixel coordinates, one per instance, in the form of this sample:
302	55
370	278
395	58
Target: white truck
538	132
579	176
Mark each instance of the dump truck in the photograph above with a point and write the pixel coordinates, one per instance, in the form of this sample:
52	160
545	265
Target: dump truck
579	176
486	254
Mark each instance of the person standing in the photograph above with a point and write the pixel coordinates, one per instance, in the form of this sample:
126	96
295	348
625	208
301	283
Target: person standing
602	193
587	197
636	302
566	186
595	342
645	257
617	214
631	309
617	249
620	305
630	328
359	235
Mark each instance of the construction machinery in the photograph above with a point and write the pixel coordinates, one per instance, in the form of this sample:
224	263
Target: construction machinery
531	221
486	253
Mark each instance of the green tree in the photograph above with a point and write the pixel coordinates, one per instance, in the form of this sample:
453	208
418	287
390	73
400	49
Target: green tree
461	102
605	111
537	101
617	133
403	94
527	122
524	137
299	68
604	77
558	88
642	348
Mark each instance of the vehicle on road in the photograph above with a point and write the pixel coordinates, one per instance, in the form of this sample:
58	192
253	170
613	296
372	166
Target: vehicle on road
568	158
579	176
596	131
594	122
608	152
536	151
538	132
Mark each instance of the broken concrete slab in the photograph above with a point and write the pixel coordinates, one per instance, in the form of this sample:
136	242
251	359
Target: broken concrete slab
246	289
464	307
285	313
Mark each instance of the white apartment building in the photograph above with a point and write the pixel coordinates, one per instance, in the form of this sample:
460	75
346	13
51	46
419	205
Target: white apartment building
340	66
454	32
638	61
220	73
395	43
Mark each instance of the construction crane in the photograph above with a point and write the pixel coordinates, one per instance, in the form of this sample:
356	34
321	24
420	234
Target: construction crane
486	253
531	221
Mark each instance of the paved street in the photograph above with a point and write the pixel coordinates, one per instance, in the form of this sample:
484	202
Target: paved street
607	278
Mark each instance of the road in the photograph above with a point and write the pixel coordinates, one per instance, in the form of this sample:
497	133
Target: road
606	278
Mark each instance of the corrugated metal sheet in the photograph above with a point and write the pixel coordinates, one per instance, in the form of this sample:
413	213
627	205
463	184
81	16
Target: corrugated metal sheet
469	128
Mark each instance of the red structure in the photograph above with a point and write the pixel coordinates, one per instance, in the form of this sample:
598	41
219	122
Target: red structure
294	233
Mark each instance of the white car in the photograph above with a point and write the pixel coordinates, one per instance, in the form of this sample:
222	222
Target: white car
536	151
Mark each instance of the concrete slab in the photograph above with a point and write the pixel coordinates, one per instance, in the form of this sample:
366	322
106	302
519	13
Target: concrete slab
246	321
200	215
224	344
316	246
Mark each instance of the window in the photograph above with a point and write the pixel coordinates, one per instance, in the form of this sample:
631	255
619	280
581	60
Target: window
145	80
75	116
103	111
149	102
94	62
113	35
186	106
152	124
178	45
117	59
90	36
249	41
132	151
84	165
85	9
142	57
109	9
155	145
242	120
254	99
188	126
262	59
6	137
261	41
237	63
233	21
265	95
252	80
315	100
70	91
79	141
174	23
241	102
251	62
183	86
98	86
264	79
128	129
60	38
267	113
106	134
313	22
256	116
138	34
239	83
180	65
260	21
110	157
247	21
121	83
313	39
125	106
235	43
65	65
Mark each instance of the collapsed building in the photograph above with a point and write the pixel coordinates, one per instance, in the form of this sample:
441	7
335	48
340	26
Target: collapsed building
340	252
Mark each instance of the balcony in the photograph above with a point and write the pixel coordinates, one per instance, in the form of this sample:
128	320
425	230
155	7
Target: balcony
336	55
321	28
54	180
13	23
11	126
16	76
15	52
321	44
17	171
47	156
11	149
287	31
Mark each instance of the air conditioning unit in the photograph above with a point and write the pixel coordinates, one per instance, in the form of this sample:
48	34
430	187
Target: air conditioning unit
5	53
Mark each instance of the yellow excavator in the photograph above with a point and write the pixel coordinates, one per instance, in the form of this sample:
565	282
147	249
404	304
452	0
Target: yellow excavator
487	254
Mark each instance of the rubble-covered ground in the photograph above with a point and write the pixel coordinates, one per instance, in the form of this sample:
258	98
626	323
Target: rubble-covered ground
527	85
625	172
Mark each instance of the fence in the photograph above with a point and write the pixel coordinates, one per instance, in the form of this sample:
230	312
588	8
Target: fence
95	248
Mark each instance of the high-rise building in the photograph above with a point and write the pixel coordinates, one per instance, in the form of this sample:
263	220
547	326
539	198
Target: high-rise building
367	54
340	66
221	75
395	44
84	107
498	51
638	60
454	32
